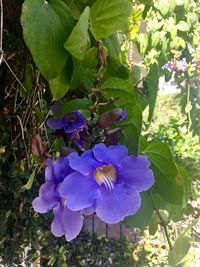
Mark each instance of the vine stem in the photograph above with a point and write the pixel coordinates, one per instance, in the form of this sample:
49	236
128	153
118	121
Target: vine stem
164	225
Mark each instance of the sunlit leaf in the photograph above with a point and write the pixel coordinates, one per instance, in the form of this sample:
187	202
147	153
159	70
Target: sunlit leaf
179	250
106	17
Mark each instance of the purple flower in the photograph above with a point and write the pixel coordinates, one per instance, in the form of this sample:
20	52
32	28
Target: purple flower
70	122
73	124
181	65
107	179
65	222
176	65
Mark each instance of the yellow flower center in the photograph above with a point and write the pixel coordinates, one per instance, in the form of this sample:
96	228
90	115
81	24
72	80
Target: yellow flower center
105	174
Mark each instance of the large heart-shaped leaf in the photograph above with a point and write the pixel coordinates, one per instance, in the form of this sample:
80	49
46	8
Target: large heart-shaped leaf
171	183
106	17
46	26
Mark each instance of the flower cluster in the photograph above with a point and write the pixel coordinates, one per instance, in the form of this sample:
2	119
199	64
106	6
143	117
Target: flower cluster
104	180
176	65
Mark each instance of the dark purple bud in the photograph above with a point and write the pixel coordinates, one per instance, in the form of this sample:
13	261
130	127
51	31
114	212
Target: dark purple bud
113	136
111	116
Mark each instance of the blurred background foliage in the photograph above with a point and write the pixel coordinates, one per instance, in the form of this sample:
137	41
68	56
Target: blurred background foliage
134	57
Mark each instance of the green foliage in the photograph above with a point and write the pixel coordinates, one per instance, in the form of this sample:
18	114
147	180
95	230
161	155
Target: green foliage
77	47
46	26
108	17
179	250
169	181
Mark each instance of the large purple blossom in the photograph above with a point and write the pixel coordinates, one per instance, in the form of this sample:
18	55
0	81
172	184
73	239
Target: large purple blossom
107	179
65	222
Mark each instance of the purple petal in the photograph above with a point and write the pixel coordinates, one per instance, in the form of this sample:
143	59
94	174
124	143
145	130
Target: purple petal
72	222
72	124
88	211
42	206
123	115
56	225
61	169
49	174
56	123
134	170
79	191
113	154
112	206
48	192
86	164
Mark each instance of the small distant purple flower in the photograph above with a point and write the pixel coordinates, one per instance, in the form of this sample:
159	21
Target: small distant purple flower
176	65
181	65
107	179
66	222
70	122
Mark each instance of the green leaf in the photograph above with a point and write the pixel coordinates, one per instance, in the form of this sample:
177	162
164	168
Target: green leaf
132	127
155	39
135	75
90	59
179	250
113	46
153	226
46	26
84	71
60	85
183	26
152	83
142	43
77	42
116	69
169	181
72	105
186	183
121	89
165	6
144	215
76	7
106	17
28	185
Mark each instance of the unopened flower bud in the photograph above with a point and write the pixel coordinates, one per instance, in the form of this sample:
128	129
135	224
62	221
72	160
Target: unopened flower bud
111	116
